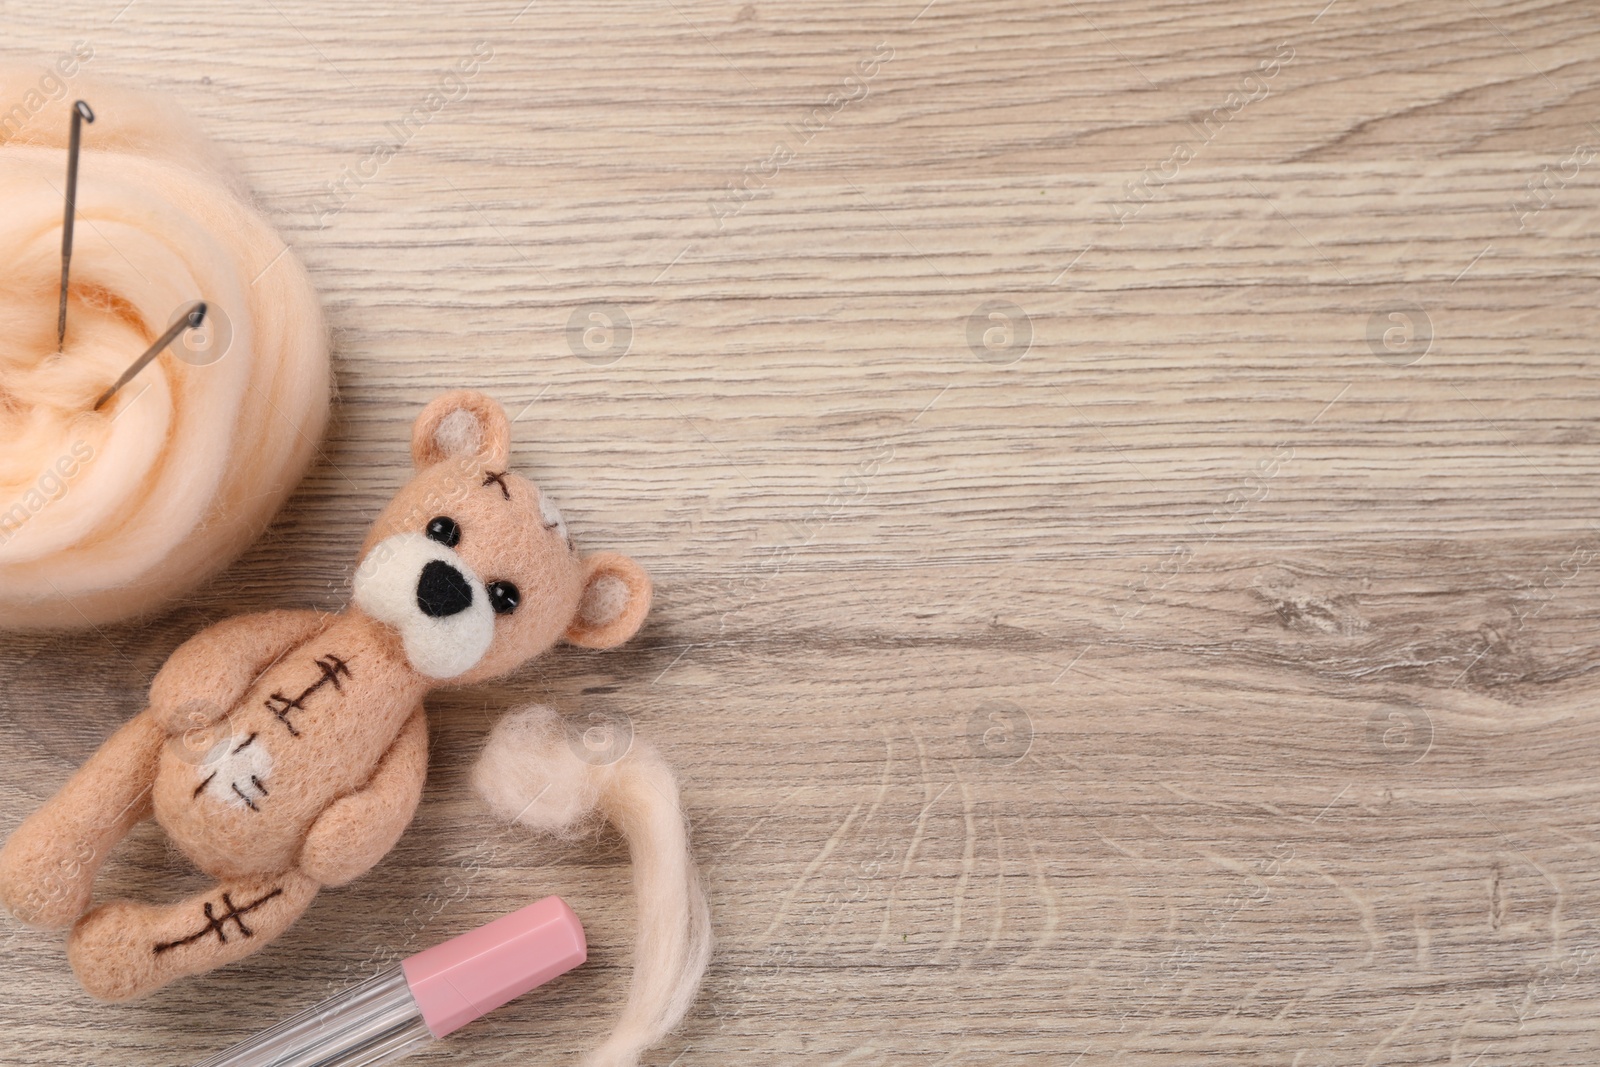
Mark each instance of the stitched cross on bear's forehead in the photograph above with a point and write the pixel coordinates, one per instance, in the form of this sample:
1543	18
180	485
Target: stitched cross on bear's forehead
498	478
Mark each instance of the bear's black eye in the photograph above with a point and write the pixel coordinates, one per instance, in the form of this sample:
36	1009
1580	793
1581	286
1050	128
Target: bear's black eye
504	597
445	531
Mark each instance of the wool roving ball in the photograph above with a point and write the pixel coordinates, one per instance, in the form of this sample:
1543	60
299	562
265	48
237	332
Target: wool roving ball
107	514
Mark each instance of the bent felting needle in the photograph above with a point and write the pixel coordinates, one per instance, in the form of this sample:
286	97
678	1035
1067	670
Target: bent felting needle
426	997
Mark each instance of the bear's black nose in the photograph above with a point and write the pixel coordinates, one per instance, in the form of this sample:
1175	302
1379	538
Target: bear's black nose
442	590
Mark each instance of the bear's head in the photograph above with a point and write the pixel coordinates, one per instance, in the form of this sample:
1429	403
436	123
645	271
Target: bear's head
472	565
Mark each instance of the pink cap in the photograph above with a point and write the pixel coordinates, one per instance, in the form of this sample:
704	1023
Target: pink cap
472	975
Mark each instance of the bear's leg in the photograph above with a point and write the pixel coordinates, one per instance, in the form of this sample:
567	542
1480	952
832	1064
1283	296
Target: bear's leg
48	866
123	950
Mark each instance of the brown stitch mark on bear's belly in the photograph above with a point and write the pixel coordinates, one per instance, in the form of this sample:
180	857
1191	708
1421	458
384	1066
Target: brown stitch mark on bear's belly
312	728
235	774
281	706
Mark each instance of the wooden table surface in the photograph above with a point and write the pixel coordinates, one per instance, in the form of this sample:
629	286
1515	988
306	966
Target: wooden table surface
1120	479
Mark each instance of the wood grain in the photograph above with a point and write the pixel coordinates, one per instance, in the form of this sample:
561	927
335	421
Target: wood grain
1200	681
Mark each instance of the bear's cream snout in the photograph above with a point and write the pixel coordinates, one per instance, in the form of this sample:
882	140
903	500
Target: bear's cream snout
432	598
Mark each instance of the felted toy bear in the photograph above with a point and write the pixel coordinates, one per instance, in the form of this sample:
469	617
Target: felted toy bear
286	751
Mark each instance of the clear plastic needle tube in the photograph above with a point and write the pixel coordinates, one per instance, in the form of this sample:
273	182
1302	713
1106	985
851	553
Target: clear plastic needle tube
425	997
371	1023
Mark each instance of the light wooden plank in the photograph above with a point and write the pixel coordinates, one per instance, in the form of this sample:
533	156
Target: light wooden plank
1196	687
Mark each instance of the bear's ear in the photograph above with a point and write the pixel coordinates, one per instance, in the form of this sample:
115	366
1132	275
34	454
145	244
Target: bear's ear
616	598
462	425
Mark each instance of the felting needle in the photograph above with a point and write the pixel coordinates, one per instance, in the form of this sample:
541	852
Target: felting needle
189	320
81	113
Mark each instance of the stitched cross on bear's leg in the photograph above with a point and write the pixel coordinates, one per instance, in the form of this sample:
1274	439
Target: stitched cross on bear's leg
124	949
217	924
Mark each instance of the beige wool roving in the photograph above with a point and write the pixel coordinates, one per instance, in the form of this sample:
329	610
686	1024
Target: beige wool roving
109	514
532	774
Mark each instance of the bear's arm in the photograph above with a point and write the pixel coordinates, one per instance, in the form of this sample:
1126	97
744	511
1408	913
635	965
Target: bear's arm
356	831
207	675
